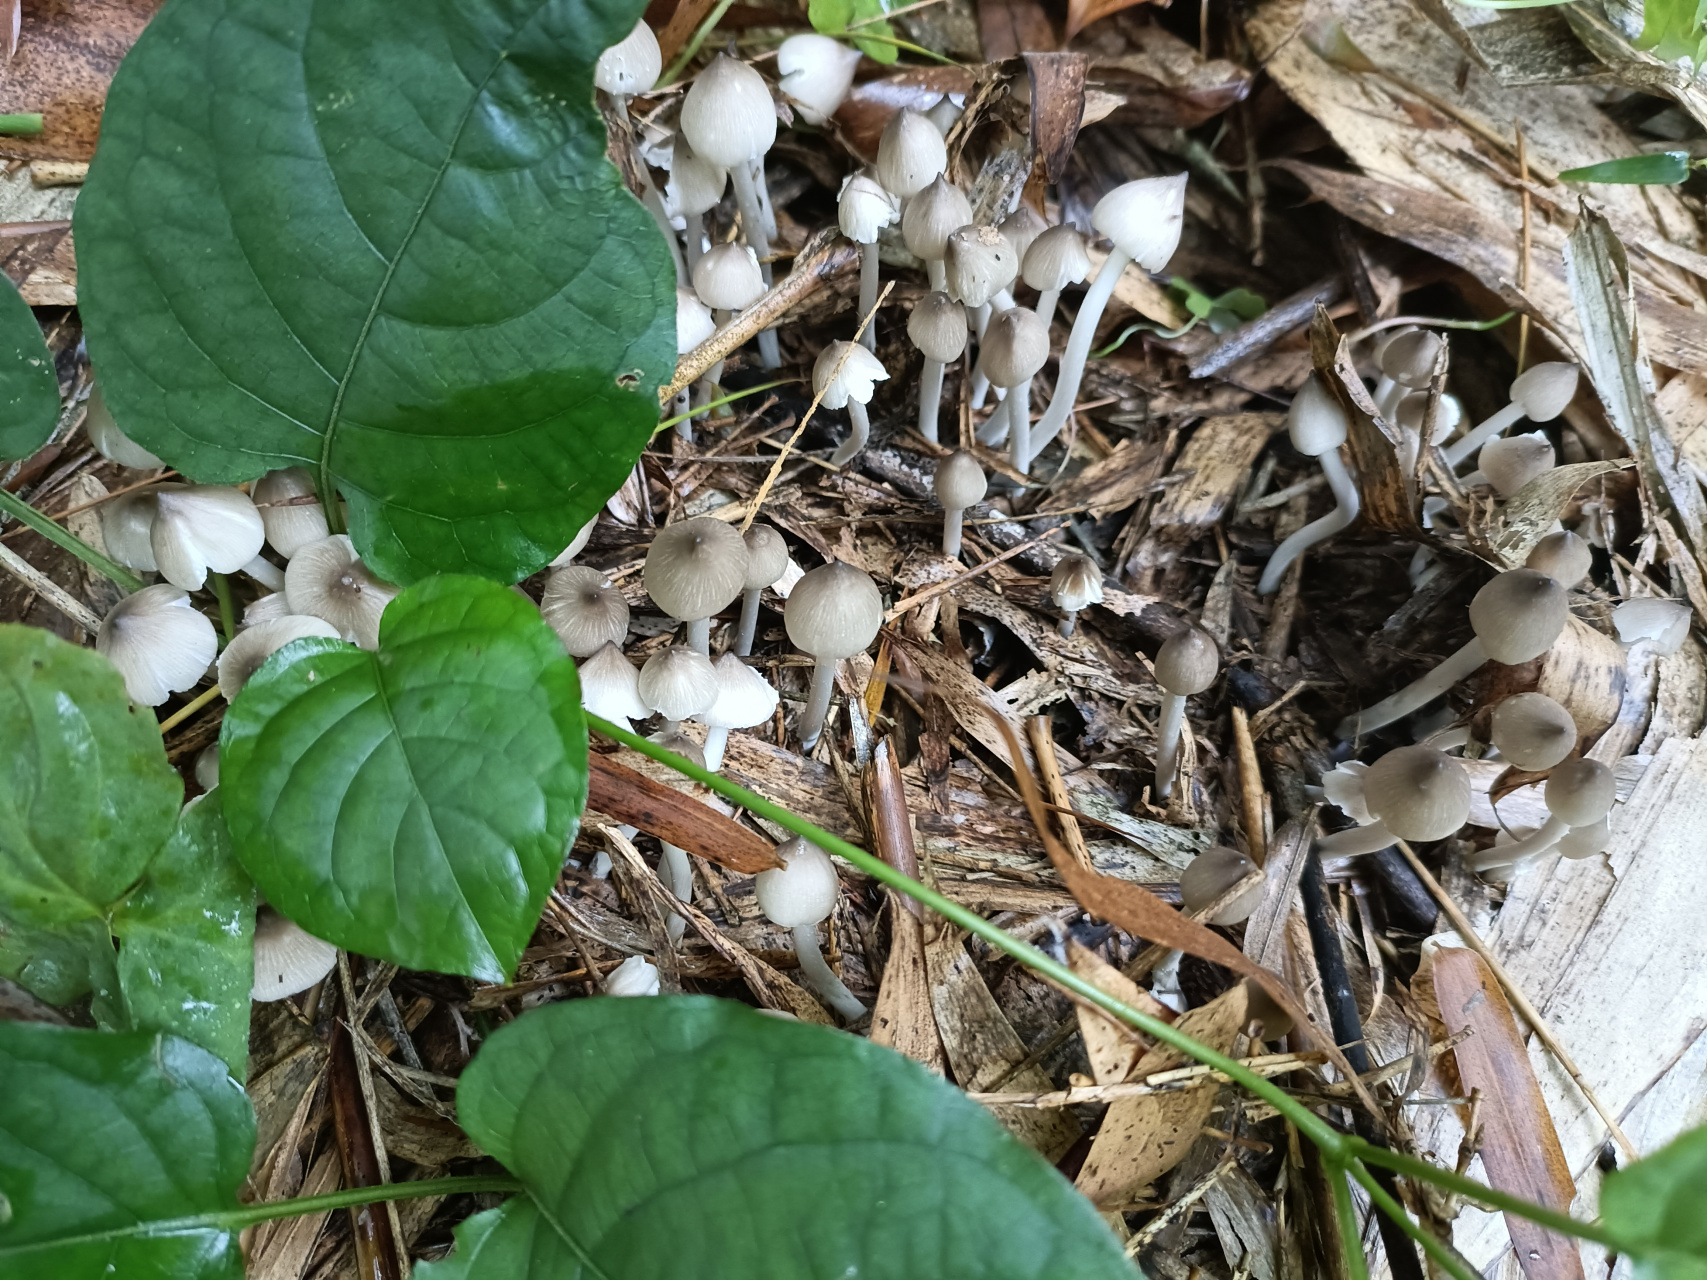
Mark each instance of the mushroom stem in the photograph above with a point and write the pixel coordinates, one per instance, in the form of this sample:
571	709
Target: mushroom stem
1419	693
1046	304
820	979
693	238
699	635
715	741
861	431
936	274
1543	838
868	293
677	875
1167	742
753	226
951	525
1018	408
1484	431
1371	837
1346	506
817	702
1073	359
655	206
749	621
1069	620
930	398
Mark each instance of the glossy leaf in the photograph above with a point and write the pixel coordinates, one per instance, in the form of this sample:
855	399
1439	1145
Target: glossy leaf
835	17
1654	1208
380	241
674	1137
1664	168
413	803
64	964
29	388
100	1131
1672	29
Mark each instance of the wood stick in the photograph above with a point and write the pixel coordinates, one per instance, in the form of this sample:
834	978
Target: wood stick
49	590
930	593
1039	729
1250	787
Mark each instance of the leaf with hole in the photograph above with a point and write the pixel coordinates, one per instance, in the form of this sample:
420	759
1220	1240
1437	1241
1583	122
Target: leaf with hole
381	242
413	803
29	388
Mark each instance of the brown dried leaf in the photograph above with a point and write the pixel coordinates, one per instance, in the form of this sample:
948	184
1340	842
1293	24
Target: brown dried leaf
1008	28
1530	514
1390	498
631	797
1113	1048
1164	82
67	53
1081	13
1057	106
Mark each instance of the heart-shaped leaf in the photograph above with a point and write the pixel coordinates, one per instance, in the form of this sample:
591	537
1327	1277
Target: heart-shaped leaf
380	241
1654	1209
29	388
680	1136
100	1131
413	803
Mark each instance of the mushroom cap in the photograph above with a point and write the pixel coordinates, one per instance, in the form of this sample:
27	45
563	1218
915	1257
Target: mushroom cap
767	557
290	521
1580	791
207	767
1075	583
744	697
1663	622
268	608
678	682
610	686
288	958
584	609
938	327
727	277
1412	411
1021	229
1144	218
110	442
1343	787
943	113
1385	338
803	890
1015	347
833	612
858	379
328	580
1056	259
694	321
1511	462
1409	358
695	184
1532	731
631	65
1316	421
1260	1007
728	116
960	481
1585	842
1420	793
204	527
252	646
688	750
932	216
1210	874
979	264
1564	557
817	73
910	153
1545	390
635	976
568	554
864	208
1518	615
127	526
1188	661
159	642
694	568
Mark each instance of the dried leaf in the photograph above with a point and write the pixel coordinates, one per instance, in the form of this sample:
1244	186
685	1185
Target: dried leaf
1057	105
631	797
1113	1048
1530	514
1008	28
66	56
1081	13
1390	499
1164	82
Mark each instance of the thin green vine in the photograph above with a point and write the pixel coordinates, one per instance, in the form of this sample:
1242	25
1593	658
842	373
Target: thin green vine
55	533
1345	1218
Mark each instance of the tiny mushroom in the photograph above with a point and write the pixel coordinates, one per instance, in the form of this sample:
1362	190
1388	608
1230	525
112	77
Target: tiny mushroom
694	568
1541	393
694	324
674	869
584	609
207	767
126	524
677	682
1532	731
160	643
833	612
252	646
1021	229
1564	557
817	72
767	561
744	699
1186	664
1318	426
845	376
1214	872
1578	793
635	976
910	153
944	112
1407	362
1663	623
112	443
288	959
727	279
978	264
1056	259
1585	842
798	896
929	219
610	688
1015	347
629	66
326	579
291	515
938	329
863	209
203	528
960	483
1413	793
694	188
1075	583
1511	462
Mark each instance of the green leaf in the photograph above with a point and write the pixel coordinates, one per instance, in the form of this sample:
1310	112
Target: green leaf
413	803
186	951
29	388
86	795
63	964
1242	303
676	1136
100	1131
835	17
1672	29
1663	168
1654	1208
381	241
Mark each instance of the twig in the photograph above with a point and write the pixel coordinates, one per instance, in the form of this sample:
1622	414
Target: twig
1523	257
932	592
49	590
189	709
1250	787
1156	1225
1270	1064
1039	729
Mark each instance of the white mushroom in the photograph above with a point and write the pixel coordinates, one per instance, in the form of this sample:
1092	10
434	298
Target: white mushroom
677	683
937	327
288	959
160	643
767	562
110	442
863	209
1318	427
635	976
252	646
910	153
203	528
327	579
797	896
1540	393
817	73
291	514
959	483
850	388
610	687
833	612
1056	259
1075	583
744	699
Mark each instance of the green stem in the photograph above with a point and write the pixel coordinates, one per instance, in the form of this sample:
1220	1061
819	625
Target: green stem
21	123
1444	1256
694	41
1345	1217
667	423
227	610
250	1214
909	46
62	537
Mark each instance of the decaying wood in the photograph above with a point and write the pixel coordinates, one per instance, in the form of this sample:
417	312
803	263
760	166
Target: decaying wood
1114	1048
630	796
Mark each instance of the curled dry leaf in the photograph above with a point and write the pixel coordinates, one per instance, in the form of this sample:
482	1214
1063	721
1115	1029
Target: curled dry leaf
1081	13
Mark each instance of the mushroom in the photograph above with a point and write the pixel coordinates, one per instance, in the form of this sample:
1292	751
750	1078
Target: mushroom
252	646
1144	220
1563	557
291	515
694	324
1186	664
1317	425
629	66
694	569
1410	415
267	608
978	264
694	188
929	219
568	554
288	959
1664	623
1579	793
1411	793
674	869
584	609
127	522
110	442
938	329
798	895
1516	617
635	976
327	579
1015	347
677	682
959	484
610	687
202	528
863	209
1407	362
1075	583
910	153
767	561
850	388
1540	393
744	699
1211	874
1021	229
1585	842
160	643
1056	259
944	112
1513	461
207	767
1532	731
833	613
816	74
727	279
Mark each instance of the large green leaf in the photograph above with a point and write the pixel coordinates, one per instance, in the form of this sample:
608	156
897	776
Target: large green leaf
100	1131
86	795
29	388
1662	168
413	803
682	1137
1657	1209
381	241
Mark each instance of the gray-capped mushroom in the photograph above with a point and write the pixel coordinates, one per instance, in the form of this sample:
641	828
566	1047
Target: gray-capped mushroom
159	642
1540	393
833	612
1318	427
930	217
291	514
1563	556
288	959
694	569
938	329
910	153
677	683
1186	664
1532	731
959	484
1412	793
1056	259
252	646
576	544
1015	347
1214	872
744	699
767	561
327	579
798	896
674	869
1075	583
584	609
1511	462
1578	793
863	209
694	188
1021	229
